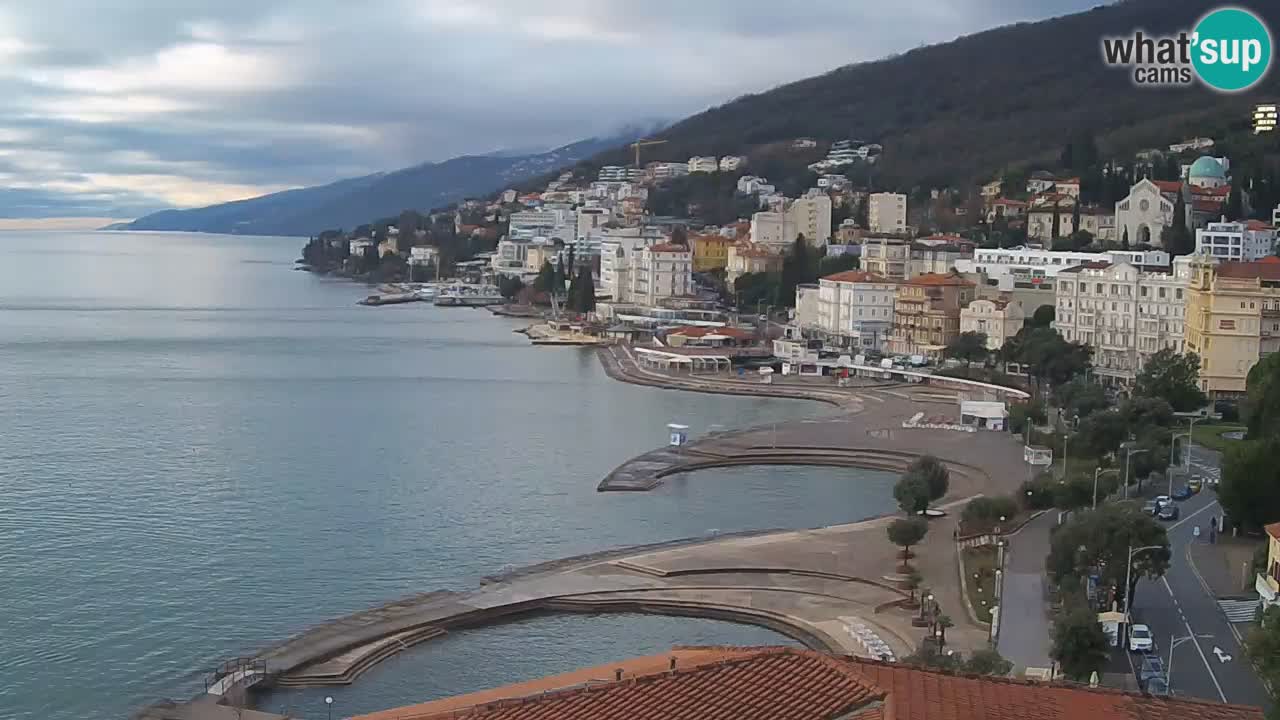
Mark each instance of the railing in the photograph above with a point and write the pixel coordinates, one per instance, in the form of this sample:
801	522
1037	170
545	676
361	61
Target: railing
244	671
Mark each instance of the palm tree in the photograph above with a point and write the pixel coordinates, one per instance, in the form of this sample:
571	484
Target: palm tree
944	622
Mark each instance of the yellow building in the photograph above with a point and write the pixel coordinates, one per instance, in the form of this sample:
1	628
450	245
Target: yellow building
1233	319
926	313
710	252
1268	583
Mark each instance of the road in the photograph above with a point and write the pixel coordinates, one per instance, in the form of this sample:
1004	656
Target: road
1024	619
1179	605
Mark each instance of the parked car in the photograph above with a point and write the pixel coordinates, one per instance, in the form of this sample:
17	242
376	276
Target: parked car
1158	686
1152	668
1140	639
1162	500
1183	493
1168	512
1195	484
1151	508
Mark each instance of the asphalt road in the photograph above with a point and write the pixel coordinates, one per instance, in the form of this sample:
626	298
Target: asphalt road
1179	605
1024	618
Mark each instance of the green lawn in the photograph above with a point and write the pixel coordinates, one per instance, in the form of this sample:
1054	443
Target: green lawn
1210	436
980	579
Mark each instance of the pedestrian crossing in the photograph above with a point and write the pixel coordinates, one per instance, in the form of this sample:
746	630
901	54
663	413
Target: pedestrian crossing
1239	611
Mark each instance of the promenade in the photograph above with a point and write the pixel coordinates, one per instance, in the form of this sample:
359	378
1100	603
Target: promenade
830	588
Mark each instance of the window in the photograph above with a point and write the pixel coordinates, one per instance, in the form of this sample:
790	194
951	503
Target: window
1226	324
1142	291
1161	293
1178	293
1098	289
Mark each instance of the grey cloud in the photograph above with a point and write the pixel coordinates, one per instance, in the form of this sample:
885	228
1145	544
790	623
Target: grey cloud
321	89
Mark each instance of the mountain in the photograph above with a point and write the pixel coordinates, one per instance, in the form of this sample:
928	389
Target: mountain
349	203
963	110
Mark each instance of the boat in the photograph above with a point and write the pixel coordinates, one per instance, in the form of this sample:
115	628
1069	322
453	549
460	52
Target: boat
389	299
462	295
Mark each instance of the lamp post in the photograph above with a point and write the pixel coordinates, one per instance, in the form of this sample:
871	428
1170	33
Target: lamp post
328	702
1191	430
1173	643
1173	443
1128	578
1064	455
1129	453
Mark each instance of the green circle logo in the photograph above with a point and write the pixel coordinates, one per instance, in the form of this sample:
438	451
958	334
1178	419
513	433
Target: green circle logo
1231	49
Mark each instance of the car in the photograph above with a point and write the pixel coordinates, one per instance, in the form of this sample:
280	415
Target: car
1151	508
1183	493
1157	686
1162	500
1140	639
1168	512
1152	668
1195	484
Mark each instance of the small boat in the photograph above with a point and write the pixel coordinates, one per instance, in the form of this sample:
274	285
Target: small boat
389	299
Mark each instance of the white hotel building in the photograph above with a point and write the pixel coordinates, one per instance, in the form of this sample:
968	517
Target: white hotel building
1238	241
853	309
1124	313
1029	268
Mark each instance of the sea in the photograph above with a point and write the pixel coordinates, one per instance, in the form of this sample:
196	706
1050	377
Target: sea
204	451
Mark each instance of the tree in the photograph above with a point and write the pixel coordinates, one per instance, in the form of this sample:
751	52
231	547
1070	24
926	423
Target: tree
1080	397
1051	359
586	291
984	513
1235	204
1124	240
1057	222
1262	405
838	263
1250	489
798	267
935	474
1043	317
912	493
546	281
1075	224
861	214
1098	542
680	236
510	286
1263	647
987	662
1079	644
907	532
1177	239
1174	378
969	347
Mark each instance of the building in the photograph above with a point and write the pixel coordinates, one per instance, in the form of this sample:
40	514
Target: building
999	320
509	258
1268	581
661	271
1199	143
1007	209
422	255
888	257
778	683
618	248
887	213
767	228
702	336
1275	217
752	185
1233	319
1208	173
811	216
1240	241
1265	117
536	255
699	164
359	246
1099	222
746	257
1040	214
1041	181
1143	216
938	254
546	224
729	163
710	251
619	173
926	313
992	190
1027	268
1125	313
1070	186
854	310
662	171
803	143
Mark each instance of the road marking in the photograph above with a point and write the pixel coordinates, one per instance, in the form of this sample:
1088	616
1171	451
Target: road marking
1222	657
1196	641
1239	611
1188	518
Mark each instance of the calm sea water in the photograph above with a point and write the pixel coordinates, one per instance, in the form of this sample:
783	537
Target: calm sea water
203	451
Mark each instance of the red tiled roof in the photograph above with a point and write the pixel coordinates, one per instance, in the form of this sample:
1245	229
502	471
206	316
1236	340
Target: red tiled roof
1259	225
1249	270
1206	205
1070	181
939	280
1010	202
1271	259
1218	192
1167	186
856	276
793	684
1274	530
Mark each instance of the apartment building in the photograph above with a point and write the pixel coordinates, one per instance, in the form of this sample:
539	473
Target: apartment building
1125	313
998	319
699	164
887	257
619	247
1233	319
729	163
887	213
660	171
661	271
926	313
746	257
808	216
938	254
710	251
1237	241
853	310
1027	268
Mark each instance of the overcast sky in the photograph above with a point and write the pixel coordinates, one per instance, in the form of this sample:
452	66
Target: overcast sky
115	108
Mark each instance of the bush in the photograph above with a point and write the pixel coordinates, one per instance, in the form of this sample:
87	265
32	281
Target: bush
987	662
1022	413
1038	494
983	513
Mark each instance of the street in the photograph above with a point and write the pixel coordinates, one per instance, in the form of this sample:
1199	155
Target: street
1211	663
1024	618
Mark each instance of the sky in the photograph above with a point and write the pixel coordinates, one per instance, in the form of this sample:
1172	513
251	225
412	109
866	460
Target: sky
117	108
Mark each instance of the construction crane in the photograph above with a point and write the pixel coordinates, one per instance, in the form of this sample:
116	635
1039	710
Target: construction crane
644	143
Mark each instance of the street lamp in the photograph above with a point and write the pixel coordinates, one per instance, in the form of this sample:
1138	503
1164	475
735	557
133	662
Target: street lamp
1065	436
1128	577
1096	473
1191	430
1129	453
1173	443
1173	643
328	701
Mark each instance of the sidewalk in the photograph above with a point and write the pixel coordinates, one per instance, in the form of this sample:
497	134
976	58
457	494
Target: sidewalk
1225	566
1024	618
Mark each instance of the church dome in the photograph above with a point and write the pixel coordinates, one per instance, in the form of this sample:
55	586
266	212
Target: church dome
1207	167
